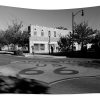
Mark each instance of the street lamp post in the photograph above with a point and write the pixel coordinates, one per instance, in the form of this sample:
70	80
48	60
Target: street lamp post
73	15
49	41
29	33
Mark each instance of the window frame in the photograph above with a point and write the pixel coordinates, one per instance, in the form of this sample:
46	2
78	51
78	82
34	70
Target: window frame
55	34
35	33
42	33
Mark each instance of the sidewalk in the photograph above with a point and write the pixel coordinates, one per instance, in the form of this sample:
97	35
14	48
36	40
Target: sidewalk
5	52
42	56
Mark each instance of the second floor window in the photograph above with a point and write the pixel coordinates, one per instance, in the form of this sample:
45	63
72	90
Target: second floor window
54	33
42	33
35	33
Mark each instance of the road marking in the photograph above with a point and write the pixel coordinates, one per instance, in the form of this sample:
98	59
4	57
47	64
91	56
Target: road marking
51	71
72	78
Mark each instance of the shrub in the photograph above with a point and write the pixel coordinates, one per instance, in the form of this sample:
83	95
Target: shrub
18	52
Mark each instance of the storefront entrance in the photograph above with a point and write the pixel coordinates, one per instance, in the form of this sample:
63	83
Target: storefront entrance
39	48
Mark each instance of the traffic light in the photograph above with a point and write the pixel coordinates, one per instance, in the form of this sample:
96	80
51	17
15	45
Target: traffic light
82	13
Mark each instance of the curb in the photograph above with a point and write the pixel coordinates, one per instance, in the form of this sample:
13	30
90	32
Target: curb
43	56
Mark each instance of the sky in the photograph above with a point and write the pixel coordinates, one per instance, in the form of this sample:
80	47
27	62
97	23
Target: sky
49	18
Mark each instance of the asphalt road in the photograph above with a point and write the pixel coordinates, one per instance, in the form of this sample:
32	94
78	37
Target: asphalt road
76	86
63	76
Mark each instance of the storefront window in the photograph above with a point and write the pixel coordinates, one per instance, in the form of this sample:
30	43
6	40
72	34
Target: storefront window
42	47
36	47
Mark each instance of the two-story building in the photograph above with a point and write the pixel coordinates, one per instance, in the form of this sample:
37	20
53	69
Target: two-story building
43	38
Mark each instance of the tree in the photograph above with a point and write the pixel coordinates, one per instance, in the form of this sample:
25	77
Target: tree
13	33
24	38
65	42
95	40
83	34
96	37
2	39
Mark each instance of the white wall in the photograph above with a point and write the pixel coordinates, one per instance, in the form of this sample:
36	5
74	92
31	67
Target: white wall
45	39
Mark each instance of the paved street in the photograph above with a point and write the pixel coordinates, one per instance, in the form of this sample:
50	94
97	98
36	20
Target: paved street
76	85
63	75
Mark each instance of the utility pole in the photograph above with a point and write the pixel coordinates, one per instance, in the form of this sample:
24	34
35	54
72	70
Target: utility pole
73	15
29	33
49	41
72	31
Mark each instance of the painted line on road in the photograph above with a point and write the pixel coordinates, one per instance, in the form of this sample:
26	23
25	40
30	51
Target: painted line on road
65	79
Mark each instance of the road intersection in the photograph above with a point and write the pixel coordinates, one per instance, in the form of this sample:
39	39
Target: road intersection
60	74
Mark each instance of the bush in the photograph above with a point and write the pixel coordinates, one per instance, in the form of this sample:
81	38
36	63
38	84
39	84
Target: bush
83	54
18	52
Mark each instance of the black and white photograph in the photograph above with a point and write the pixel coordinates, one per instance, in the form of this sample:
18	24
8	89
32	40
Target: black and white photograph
49	51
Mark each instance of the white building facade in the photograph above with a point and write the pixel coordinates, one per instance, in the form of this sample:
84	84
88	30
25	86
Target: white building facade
42	38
